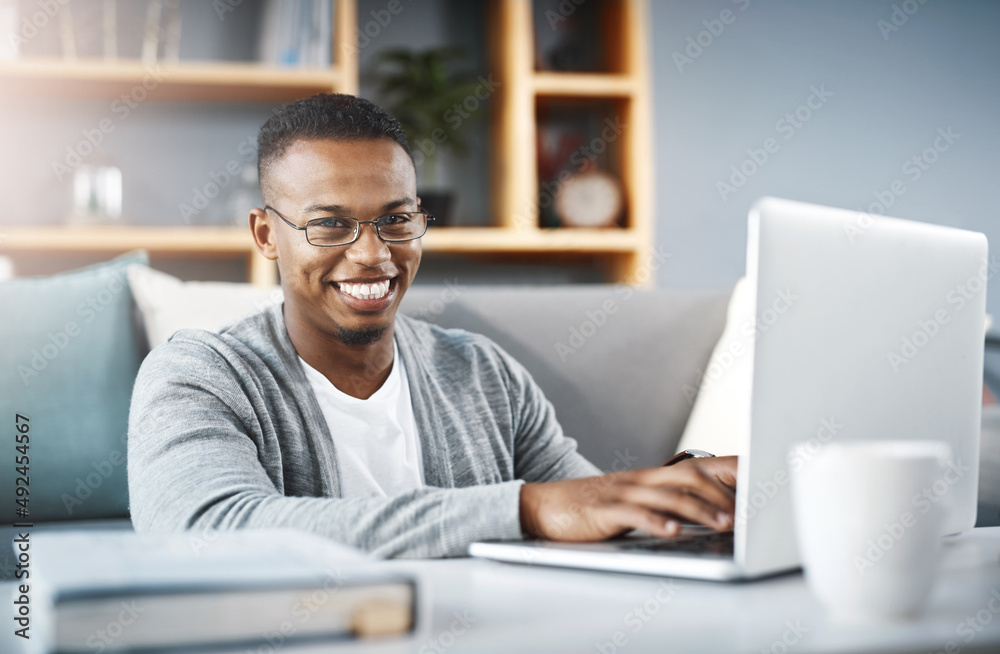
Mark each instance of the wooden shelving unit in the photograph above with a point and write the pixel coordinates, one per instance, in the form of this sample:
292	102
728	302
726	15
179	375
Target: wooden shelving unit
515	232
235	242
522	88
97	79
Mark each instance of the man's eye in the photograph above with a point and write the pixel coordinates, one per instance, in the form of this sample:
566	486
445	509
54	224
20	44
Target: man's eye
395	219
333	223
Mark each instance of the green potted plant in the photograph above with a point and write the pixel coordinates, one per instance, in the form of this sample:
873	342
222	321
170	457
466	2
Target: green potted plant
422	89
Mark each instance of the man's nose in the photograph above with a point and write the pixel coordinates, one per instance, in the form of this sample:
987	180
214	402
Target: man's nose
368	249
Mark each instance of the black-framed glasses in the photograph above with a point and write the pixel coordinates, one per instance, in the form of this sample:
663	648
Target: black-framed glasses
344	230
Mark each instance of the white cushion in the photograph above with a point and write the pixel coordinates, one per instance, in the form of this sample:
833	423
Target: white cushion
721	412
721	409
6	269
169	304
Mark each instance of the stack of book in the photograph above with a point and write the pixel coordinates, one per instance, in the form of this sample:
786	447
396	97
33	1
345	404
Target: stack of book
115	591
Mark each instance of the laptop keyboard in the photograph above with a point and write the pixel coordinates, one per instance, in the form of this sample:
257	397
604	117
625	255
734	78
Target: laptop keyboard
712	543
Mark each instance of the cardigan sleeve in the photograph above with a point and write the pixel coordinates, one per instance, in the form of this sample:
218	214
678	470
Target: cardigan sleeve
203	454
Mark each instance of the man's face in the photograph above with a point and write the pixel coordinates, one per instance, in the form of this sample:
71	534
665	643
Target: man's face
362	179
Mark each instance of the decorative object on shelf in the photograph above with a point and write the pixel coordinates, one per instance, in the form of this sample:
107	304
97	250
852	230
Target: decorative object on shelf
421	88
578	165
110	30
244	195
67	37
157	37
567	36
10	48
97	194
591	198
297	33
151	36
172	43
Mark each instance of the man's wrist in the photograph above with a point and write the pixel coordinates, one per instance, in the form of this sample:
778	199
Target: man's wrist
526	511
688	454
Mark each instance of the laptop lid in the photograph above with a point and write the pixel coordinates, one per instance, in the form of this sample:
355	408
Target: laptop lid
866	328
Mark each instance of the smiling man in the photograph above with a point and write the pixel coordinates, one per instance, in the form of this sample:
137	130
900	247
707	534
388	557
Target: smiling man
332	414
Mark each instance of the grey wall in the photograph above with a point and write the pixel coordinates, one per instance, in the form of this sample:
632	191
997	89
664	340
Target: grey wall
940	69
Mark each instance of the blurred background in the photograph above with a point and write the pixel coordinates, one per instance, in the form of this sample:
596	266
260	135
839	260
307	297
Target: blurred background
578	140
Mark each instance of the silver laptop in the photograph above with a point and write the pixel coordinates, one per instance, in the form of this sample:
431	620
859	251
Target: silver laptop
884	340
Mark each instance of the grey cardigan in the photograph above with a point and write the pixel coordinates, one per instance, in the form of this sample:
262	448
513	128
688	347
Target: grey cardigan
226	433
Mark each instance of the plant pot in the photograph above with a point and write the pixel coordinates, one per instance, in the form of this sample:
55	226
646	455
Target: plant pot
438	204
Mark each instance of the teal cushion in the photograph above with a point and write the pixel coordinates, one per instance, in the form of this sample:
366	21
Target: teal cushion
69	356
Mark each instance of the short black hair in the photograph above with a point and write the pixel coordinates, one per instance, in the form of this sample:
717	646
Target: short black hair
336	116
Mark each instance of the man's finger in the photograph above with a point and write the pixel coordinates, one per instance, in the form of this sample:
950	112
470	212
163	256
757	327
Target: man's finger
675	501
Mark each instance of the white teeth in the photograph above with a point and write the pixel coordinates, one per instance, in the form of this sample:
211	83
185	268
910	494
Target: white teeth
366	291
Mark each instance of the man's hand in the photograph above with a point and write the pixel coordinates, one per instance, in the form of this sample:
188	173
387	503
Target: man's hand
654	500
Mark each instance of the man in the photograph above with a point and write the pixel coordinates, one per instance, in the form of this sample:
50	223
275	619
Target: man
333	414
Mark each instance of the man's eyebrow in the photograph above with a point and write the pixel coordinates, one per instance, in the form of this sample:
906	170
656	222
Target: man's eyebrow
340	210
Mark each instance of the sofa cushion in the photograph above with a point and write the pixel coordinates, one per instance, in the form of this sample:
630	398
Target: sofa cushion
169	304
721	399
69	358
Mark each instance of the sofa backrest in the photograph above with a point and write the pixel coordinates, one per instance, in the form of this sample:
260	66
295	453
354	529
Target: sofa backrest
618	364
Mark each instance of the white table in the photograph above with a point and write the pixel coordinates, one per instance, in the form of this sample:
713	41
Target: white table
482	606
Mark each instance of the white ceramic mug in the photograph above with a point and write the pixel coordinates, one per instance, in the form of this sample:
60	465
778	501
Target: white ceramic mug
869	517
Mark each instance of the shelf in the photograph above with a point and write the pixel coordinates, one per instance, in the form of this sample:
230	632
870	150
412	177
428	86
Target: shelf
499	240
208	242
584	85
99	79
108	238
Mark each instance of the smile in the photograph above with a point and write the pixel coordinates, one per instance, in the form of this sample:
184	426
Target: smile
366	291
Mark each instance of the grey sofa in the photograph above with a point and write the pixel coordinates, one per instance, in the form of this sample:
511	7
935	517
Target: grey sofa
613	361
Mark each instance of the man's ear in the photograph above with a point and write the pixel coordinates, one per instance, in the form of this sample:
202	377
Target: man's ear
263	235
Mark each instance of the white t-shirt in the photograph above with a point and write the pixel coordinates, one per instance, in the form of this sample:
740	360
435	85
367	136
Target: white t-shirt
378	453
